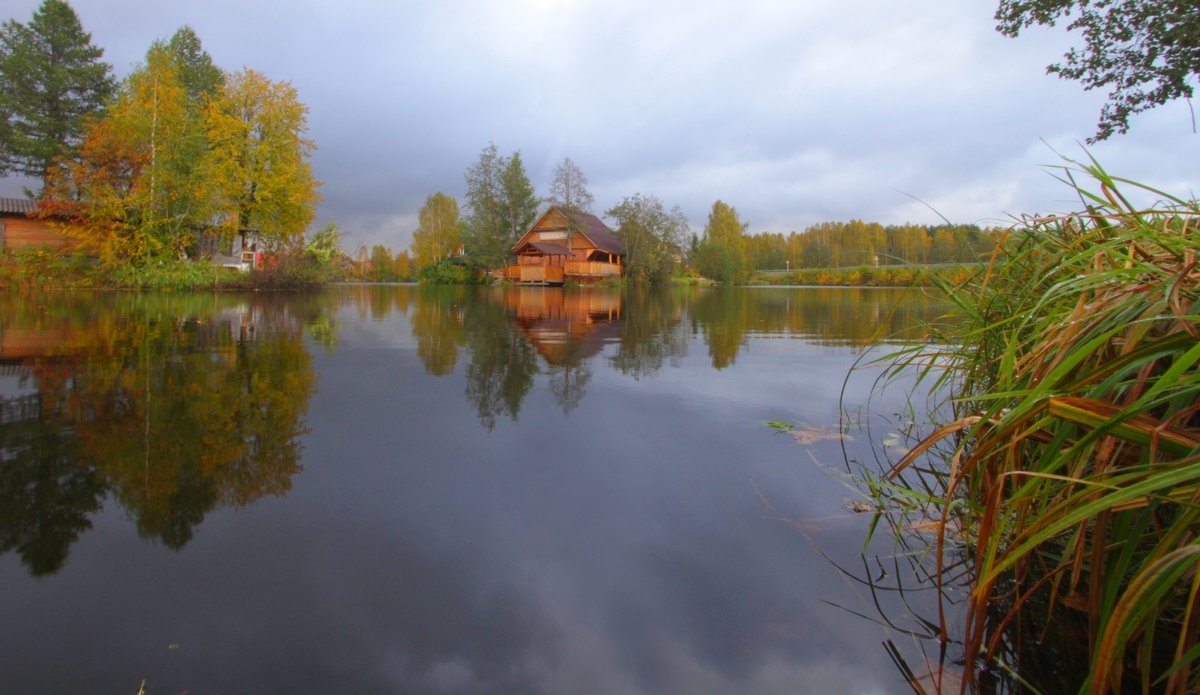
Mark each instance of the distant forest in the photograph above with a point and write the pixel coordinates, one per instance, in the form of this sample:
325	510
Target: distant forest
858	243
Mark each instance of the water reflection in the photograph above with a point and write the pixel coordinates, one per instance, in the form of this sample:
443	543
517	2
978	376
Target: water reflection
172	406
504	331
502	491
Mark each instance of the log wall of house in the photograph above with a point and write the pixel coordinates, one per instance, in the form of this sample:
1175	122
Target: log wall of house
18	231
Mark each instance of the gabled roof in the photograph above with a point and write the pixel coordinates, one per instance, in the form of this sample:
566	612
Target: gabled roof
586	224
597	232
17	206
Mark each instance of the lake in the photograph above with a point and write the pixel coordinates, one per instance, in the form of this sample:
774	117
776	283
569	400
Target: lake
386	489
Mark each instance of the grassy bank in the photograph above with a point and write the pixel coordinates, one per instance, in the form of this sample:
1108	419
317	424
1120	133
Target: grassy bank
1070	472
870	276
37	268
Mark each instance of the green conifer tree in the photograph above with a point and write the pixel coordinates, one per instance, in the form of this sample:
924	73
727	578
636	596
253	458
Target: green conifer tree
53	80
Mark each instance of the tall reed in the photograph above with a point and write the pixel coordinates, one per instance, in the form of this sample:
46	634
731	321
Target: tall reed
1073	475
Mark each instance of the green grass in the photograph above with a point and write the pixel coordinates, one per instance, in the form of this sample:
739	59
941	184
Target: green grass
870	276
39	268
1071	473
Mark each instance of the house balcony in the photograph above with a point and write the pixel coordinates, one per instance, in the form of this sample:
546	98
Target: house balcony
592	269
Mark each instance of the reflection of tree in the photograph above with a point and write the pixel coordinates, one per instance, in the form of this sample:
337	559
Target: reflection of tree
437	324
568	383
827	316
725	314
175	416
654	333
194	420
45	496
502	362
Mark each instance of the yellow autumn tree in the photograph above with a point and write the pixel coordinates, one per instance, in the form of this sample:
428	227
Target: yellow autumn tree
133	191
441	230
259	159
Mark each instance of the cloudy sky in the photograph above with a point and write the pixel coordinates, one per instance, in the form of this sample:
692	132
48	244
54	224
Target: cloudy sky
793	111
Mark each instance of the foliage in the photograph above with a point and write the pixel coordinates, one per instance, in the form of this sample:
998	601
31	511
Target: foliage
440	231
568	189
178	147
1146	52
326	245
1076	440
518	203
501	203
383	264
200	77
44	268
259	164
448	272
135	192
38	266
721	255
162	274
53	81
857	243
404	267
653	237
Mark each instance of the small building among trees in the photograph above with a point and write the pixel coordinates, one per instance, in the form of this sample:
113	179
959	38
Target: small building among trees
21	228
564	245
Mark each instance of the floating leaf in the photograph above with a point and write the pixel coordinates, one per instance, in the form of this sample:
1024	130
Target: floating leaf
860	507
811	435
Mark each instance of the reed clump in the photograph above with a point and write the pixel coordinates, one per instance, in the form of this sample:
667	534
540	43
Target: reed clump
1072	458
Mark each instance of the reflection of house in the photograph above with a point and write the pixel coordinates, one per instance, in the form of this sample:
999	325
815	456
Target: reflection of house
564	245
18	229
564	326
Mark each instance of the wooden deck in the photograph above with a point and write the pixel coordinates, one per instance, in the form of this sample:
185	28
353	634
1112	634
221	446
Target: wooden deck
534	274
550	275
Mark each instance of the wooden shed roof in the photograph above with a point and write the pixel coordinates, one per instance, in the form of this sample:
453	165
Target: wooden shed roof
17	206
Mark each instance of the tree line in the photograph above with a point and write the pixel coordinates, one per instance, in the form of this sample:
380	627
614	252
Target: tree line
141	166
500	206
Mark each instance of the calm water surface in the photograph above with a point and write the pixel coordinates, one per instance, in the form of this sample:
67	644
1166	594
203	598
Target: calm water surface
387	489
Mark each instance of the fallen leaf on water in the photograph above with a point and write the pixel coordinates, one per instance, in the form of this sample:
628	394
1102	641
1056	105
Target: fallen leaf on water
860	507
811	435
925	526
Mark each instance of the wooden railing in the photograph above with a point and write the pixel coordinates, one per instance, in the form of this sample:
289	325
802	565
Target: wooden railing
538	273
593	268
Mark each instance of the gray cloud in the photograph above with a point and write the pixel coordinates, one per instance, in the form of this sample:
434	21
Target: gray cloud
794	113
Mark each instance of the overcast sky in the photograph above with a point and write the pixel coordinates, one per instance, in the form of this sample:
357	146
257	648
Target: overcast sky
793	111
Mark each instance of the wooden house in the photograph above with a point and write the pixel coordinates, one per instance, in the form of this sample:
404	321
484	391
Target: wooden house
20	229
563	245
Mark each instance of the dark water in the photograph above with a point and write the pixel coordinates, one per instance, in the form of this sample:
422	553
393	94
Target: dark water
386	489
